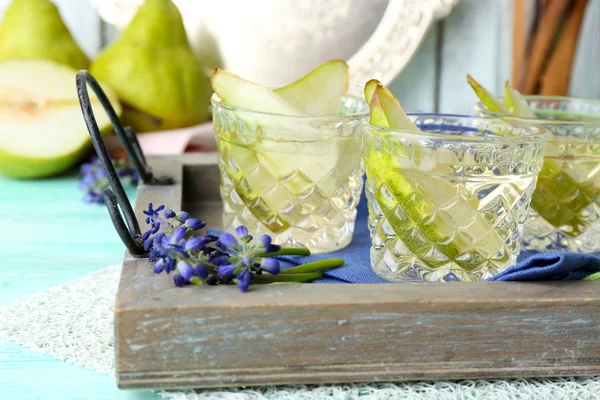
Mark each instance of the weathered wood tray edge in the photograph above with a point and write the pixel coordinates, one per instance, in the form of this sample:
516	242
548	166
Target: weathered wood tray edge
201	337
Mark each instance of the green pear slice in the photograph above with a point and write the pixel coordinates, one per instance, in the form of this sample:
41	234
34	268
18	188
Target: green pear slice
319	92
490	101
42	131
516	103
417	205
370	88
377	115
393	112
241	93
558	197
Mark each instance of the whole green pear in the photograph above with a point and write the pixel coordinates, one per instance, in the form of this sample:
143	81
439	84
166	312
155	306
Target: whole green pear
33	29
154	71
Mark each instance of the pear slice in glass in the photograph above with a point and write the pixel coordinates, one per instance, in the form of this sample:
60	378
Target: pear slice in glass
558	197
435	207
319	92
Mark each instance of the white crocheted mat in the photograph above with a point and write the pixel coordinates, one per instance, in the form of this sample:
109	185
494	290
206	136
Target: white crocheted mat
74	323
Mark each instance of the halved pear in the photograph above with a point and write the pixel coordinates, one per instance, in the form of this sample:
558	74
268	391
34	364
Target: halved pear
516	103
434	206
490	101
319	92
241	93
42	131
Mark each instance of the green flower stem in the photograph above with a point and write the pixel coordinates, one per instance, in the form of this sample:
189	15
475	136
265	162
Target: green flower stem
314	266
264	278
286	252
593	277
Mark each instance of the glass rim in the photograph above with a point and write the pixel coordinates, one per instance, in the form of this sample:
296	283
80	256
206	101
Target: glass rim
538	131
561	122
215	101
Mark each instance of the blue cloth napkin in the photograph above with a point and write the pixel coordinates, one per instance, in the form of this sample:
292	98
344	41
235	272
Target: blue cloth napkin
530	266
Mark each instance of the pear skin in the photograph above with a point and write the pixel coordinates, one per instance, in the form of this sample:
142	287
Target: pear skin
42	132
516	103
319	92
34	29
394	114
490	101
370	89
154	71
377	115
241	93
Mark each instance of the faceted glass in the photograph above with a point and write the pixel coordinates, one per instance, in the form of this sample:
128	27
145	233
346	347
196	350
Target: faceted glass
565	208
296	178
449	203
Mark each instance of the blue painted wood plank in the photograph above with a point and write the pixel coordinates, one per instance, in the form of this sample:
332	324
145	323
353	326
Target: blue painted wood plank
25	375
48	236
469	46
416	85
584	78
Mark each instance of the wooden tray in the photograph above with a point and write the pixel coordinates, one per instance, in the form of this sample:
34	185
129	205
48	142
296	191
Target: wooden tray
194	337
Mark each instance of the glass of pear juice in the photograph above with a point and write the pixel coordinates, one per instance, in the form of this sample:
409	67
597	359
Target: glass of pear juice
295	178
449	203
565	207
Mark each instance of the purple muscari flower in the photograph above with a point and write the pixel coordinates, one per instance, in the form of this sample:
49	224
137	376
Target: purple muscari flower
228	240
159	266
169	265
185	270
271	265
247	260
201	271
151	212
178	234
148	243
147	234
272	248
211	280
244	279
158	238
222	259
264	240
195	243
93	179
182	216
92	197
178	280
154	255
211	238
226	271
195	224
168	214
86	167
241	232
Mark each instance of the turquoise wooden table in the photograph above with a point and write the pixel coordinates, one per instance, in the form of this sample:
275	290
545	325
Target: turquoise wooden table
48	236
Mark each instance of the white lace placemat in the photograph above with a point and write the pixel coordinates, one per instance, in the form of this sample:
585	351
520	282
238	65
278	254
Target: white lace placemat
74	323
